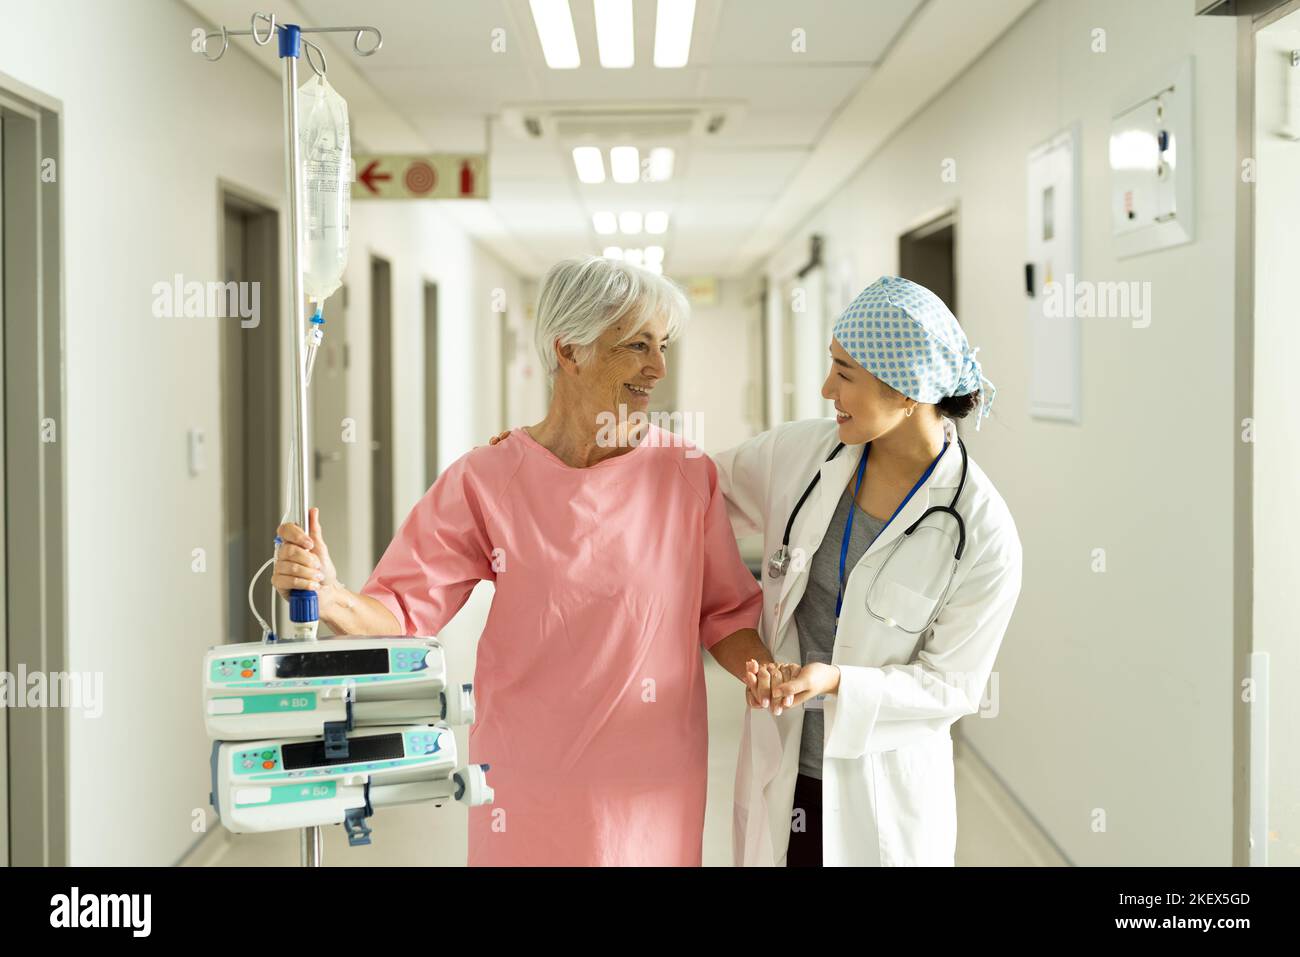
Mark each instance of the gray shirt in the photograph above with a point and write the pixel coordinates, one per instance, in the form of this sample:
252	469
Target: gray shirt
814	617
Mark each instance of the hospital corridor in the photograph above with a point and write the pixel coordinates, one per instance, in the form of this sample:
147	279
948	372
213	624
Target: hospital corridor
651	434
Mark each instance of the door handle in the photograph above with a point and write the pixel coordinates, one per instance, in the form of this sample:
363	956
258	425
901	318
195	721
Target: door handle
323	457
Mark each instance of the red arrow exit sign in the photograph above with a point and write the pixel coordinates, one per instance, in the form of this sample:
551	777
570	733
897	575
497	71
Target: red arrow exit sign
423	176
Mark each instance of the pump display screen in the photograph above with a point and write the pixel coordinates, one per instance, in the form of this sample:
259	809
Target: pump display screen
324	664
311	754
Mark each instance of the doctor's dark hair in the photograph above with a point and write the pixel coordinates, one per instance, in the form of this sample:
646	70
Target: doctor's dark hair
959	406
953	406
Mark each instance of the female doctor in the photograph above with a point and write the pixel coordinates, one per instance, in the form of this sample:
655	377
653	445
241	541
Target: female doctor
894	568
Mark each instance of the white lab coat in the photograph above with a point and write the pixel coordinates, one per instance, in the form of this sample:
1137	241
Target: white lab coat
887	778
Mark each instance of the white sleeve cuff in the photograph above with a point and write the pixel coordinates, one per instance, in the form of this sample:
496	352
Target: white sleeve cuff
851	712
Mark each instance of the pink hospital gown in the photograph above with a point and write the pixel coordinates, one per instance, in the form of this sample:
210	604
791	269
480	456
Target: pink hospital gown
589	684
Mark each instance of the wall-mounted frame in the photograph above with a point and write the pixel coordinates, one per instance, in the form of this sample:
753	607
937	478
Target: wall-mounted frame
1152	165
1052	245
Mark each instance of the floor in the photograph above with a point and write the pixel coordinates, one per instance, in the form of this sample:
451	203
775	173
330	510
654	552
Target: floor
992	831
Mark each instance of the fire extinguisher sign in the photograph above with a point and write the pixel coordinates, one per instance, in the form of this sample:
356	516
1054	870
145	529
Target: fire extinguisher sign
427	176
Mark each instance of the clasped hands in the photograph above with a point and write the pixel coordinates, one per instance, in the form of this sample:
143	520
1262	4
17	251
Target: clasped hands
777	686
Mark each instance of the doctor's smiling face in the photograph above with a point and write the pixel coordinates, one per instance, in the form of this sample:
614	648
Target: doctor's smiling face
865	407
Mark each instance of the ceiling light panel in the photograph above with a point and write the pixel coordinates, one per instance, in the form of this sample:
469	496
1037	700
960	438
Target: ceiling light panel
614	33
661	164
625	164
589	163
674	21
554	23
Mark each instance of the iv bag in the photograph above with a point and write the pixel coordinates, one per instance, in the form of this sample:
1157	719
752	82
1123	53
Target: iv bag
326	153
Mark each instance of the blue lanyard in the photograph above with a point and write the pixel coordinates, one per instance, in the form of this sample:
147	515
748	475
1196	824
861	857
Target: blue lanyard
848	525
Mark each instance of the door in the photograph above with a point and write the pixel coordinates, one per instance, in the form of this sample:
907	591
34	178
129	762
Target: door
251	374
4	545
430	383
756	394
928	256
1268	432
788	339
381	398
806	337
33	466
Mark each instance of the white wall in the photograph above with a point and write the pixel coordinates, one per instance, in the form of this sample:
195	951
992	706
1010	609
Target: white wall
149	130
1277	429
717	383
1116	689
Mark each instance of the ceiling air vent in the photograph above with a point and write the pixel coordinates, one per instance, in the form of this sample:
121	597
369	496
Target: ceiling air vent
629	124
569	123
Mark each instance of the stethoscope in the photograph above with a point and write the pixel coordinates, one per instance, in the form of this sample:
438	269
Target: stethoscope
779	563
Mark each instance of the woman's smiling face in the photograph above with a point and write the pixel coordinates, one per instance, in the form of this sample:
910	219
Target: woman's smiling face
623	367
865	407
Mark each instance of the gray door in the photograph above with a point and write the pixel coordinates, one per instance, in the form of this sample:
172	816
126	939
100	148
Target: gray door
4	541
381	383
251	451
928	256
430	383
33	632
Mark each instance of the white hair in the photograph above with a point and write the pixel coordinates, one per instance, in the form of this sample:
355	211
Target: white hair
581	298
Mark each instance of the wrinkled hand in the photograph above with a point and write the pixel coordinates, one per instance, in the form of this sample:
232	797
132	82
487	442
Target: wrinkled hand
303	561
813	679
761	681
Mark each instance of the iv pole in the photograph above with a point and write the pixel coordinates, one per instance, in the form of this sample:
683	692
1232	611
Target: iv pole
303	606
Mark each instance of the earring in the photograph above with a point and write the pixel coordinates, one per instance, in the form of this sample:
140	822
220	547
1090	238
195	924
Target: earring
910	410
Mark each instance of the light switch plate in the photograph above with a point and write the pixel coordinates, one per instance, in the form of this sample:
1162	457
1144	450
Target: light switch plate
196	451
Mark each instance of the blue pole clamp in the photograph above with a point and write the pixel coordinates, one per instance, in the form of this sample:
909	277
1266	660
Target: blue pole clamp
290	40
303	605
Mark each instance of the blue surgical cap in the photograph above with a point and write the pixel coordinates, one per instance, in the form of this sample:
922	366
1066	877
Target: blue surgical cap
904	335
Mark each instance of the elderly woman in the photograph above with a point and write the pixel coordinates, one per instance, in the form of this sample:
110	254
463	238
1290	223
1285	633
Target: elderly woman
614	564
